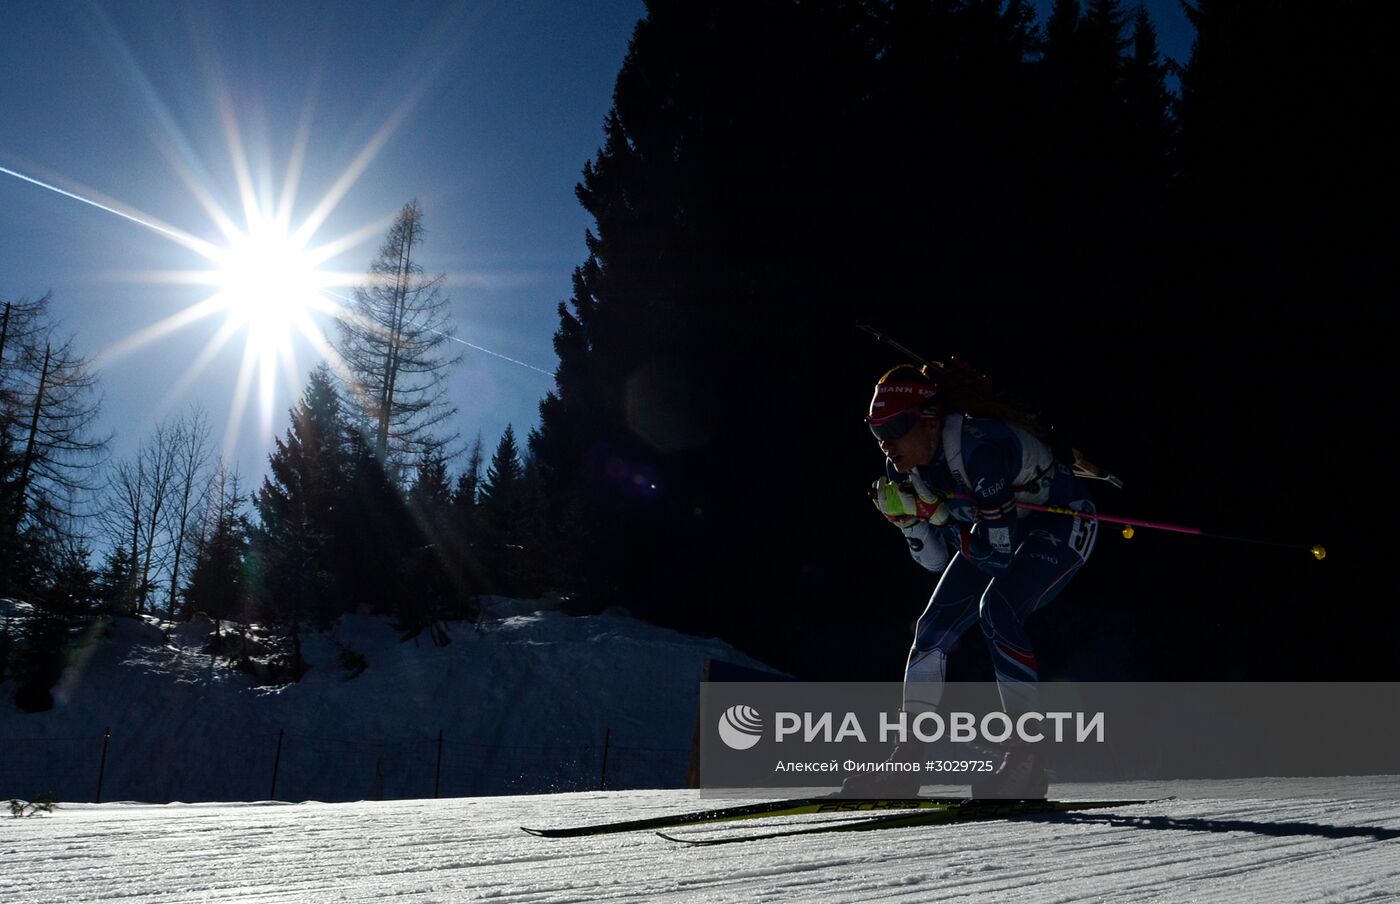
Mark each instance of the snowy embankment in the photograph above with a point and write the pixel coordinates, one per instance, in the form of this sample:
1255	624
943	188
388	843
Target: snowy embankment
528	700
1197	849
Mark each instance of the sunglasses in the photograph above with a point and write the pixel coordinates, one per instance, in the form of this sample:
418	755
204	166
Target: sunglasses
889	430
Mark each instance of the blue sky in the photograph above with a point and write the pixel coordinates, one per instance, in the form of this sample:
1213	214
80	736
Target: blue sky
484	112
1174	31
490	111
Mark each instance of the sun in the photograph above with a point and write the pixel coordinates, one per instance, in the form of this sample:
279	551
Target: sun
267	284
268	274
270	285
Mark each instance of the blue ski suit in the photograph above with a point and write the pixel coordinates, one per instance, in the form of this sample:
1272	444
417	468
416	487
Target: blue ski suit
999	563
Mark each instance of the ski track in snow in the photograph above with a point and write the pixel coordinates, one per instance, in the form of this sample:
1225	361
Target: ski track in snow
472	849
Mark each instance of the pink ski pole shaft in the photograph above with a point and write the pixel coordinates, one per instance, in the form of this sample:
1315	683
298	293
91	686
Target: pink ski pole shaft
1318	552
1131	522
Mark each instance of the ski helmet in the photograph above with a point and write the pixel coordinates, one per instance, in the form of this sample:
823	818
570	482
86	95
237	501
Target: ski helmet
902	396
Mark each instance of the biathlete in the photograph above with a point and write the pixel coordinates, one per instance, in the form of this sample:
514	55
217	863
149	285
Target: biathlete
952	483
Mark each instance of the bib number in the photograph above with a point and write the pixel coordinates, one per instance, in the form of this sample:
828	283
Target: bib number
1081	537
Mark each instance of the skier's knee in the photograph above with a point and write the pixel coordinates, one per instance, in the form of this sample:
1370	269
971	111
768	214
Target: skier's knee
996	615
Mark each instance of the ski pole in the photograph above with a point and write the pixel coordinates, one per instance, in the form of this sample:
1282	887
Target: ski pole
1083	468
1318	552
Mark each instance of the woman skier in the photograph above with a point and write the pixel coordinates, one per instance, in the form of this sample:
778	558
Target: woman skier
953	478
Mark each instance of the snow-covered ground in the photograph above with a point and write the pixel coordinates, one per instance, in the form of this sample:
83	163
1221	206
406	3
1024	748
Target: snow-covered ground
525	701
1194	849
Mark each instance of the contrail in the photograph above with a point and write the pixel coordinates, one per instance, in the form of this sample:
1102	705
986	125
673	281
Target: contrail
197	245
489	352
462	341
183	239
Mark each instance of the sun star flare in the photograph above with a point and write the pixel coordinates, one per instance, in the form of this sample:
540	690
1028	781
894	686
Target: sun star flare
267	285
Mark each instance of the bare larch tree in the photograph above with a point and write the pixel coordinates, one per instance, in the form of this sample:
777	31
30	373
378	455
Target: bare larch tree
392	345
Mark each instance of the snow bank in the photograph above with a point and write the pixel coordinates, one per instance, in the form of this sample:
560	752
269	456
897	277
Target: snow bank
528	700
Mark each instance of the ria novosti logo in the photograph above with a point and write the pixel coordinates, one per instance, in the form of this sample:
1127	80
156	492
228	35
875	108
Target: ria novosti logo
741	727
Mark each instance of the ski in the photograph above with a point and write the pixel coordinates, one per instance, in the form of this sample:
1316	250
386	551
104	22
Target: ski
966	811
793	807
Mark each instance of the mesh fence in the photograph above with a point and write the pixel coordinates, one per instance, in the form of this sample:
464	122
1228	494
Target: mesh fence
288	766
60	768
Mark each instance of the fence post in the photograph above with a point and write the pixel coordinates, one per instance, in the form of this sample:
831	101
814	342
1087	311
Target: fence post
276	764
437	778
102	766
607	742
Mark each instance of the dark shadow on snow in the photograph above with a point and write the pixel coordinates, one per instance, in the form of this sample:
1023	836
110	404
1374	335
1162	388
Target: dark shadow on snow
1276	829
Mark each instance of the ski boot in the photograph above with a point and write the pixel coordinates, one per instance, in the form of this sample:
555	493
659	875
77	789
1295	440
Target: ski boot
1021	775
895	784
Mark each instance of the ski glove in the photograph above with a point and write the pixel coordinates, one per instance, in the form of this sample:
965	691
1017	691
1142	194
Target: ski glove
904	505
